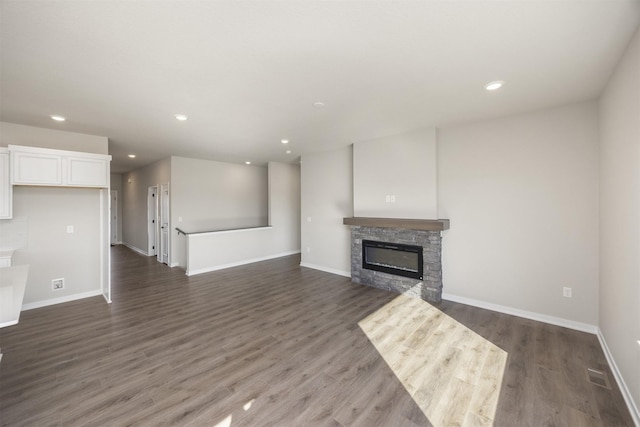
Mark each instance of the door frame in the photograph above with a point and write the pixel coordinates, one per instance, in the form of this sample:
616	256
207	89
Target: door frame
105	247
113	217
152	220
164	224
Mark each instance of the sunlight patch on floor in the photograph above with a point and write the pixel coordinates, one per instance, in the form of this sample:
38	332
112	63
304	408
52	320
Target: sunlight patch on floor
224	423
453	374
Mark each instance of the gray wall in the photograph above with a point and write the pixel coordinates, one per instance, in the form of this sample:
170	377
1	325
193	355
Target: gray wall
116	185
208	195
51	252
30	136
212	251
521	193
327	197
284	206
401	166
620	217
135	187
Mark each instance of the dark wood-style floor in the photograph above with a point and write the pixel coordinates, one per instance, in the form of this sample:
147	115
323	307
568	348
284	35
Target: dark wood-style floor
274	344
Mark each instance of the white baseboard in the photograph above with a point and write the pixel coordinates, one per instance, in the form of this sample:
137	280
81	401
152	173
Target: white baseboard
626	394
119	242
238	263
60	300
326	269
584	327
552	320
138	250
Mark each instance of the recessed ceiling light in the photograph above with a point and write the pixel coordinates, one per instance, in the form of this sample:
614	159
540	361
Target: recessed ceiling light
288	151
181	117
494	85
284	141
247	163
58	118
132	156
318	104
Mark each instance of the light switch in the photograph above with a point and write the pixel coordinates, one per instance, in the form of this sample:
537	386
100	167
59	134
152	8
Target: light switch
69	229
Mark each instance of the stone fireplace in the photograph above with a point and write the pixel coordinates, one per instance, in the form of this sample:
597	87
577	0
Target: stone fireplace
394	235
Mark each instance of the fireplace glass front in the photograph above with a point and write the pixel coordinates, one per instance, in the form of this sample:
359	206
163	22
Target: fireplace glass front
393	258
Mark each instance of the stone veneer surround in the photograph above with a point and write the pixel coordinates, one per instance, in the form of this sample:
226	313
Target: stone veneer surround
429	288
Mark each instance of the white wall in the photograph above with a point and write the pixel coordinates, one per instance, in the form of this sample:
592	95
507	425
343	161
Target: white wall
15	134
51	252
620	218
402	166
135	187
327	197
521	194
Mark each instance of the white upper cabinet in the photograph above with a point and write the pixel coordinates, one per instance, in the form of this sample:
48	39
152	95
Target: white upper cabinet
32	168
88	172
43	166
6	190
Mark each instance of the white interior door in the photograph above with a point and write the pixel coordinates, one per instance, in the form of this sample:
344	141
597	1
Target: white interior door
164	224
152	222
113	216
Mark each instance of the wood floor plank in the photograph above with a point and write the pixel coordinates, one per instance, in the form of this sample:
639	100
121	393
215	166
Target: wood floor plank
273	343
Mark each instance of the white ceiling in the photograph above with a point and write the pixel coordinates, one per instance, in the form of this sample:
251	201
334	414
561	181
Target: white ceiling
247	72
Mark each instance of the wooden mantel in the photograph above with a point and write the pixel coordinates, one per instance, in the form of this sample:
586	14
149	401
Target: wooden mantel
410	224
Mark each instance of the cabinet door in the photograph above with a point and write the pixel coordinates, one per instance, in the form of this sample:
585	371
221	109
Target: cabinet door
36	168
87	172
6	190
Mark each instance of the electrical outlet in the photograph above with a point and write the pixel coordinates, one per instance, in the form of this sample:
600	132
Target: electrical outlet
566	292
392	198
69	229
57	284
308	249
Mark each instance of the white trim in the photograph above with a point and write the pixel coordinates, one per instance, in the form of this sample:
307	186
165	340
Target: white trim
133	248
9	323
326	269
233	230
552	320
626	394
243	262
173	264
38	150
53	301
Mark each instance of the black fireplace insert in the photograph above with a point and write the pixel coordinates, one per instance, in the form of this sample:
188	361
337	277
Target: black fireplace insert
393	258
